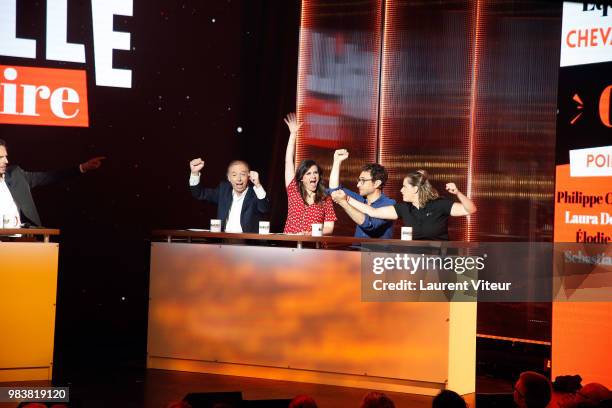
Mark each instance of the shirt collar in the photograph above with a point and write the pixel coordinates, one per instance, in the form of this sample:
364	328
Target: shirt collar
382	196
237	196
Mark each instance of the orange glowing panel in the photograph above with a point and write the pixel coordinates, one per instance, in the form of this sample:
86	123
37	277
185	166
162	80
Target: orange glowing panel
43	96
270	307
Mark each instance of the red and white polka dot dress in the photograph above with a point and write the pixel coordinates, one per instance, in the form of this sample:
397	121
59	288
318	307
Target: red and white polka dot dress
300	216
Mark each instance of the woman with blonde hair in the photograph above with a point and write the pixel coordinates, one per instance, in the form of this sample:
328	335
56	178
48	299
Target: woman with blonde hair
422	208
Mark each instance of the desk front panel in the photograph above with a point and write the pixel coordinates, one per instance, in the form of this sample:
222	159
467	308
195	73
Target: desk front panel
288	308
28	272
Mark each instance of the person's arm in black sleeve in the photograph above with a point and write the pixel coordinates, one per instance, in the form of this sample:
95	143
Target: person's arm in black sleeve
197	191
43	178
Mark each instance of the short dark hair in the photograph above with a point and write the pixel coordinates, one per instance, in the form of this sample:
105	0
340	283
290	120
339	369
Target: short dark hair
377	172
537	389
448	399
376	400
2	142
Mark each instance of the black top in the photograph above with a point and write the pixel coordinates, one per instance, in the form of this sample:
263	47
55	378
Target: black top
429	223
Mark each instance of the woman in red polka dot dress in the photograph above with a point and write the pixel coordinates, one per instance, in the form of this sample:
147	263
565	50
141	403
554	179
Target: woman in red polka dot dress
308	203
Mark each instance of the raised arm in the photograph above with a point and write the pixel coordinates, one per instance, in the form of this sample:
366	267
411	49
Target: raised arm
465	206
385	213
292	124
197	190
334	177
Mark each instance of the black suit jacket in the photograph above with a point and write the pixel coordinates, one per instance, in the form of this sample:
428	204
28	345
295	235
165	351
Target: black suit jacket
253	209
20	183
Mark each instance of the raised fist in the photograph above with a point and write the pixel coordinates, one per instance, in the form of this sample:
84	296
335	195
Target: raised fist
196	165
452	188
341	155
254	177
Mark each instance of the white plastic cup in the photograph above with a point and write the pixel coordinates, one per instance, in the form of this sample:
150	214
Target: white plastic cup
406	233
317	230
9	221
215	225
264	227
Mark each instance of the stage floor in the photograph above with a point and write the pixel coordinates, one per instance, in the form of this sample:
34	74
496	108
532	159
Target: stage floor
156	388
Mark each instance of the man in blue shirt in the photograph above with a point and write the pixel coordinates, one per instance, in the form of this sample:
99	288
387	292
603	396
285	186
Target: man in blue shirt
371	181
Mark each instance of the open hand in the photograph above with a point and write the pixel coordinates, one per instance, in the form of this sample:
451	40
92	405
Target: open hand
292	123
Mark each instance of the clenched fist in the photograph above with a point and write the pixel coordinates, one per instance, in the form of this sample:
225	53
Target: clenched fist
338	196
196	165
452	188
254	177
341	155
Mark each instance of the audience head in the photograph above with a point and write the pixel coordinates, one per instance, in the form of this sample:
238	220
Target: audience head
303	401
376	400
309	178
373	176
532	390
238	175
3	157
592	394
448	399
417	189
178	404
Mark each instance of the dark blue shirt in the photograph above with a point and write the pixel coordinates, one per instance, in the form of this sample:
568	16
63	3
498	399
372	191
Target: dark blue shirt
371	227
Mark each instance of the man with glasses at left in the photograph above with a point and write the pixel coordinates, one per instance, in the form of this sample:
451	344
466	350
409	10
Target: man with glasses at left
371	181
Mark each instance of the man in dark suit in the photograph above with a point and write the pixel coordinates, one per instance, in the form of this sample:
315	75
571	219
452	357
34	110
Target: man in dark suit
239	207
17	206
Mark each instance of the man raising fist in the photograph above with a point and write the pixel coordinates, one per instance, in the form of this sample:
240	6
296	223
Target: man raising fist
239	207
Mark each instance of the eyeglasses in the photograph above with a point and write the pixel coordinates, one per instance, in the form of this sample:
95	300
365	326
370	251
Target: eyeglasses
362	180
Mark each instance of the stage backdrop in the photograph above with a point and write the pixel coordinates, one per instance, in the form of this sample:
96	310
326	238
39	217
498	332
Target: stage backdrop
150	84
466	90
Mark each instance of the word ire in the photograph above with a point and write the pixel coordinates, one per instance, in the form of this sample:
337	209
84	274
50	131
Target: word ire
105	40
60	101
